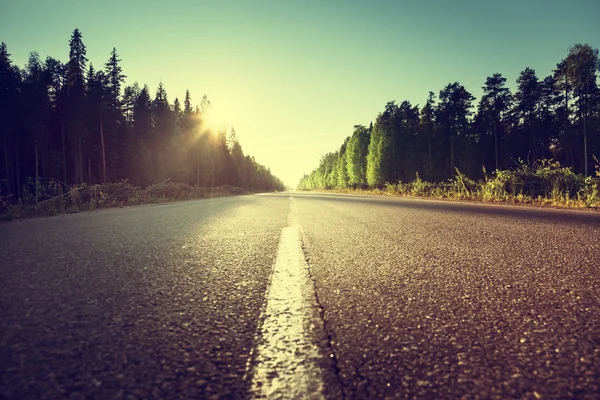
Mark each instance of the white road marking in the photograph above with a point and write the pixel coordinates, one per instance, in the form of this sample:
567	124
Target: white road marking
287	357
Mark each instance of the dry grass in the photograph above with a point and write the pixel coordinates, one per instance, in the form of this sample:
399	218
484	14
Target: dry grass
54	198
547	185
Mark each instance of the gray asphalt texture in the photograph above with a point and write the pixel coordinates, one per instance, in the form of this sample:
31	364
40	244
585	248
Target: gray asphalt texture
142	302
419	298
433	299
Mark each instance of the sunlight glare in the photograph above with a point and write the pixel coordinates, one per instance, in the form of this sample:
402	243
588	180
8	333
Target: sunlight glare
214	120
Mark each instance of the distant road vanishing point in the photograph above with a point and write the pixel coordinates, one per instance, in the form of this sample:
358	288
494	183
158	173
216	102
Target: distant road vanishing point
302	295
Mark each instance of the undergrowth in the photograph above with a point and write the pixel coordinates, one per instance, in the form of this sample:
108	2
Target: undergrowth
545	184
56	198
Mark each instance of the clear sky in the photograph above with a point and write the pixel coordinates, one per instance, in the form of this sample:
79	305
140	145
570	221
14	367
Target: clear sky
294	77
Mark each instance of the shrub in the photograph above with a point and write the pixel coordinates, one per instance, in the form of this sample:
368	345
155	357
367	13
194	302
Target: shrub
53	199
462	185
420	187
547	183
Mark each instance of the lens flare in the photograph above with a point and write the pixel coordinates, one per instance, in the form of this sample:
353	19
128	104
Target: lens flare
213	121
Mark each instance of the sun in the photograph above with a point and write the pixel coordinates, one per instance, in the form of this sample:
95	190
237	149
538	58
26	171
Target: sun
210	123
214	120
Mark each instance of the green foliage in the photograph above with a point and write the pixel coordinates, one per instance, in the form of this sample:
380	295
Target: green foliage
546	184
342	166
70	122
115	78
356	156
589	195
551	122
462	185
420	187
378	145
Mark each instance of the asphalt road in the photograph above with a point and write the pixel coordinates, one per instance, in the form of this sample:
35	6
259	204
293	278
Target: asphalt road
411	299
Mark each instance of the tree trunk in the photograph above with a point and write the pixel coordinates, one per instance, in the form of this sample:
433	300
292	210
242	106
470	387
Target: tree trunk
6	163
567	104
452	156
429	152
534	143
64	144
406	177
103	151
198	166
395	167
37	175
496	143
585	155
79	161
212	170
18	177
572	160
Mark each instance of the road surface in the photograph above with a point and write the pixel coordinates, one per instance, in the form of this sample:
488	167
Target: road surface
302	296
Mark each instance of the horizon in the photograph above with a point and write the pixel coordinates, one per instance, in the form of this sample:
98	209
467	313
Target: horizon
294	78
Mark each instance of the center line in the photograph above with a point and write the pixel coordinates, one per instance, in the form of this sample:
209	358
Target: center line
287	356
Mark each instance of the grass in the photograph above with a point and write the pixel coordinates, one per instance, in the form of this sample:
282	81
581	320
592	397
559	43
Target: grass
55	198
548	184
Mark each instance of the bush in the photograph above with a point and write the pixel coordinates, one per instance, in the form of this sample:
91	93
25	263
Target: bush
462	185
53	199
547	184
420	187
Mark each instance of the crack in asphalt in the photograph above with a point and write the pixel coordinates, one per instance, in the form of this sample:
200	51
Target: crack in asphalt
362	380
329	335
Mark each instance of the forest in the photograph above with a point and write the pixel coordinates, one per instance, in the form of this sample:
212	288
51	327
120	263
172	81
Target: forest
71	124
550	123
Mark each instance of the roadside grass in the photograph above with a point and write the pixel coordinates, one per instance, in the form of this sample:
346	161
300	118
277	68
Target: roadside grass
55	198
546	185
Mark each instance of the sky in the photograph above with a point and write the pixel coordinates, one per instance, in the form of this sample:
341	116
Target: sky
294	77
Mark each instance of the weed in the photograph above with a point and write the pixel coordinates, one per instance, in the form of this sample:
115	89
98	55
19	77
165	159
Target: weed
53	198
548	183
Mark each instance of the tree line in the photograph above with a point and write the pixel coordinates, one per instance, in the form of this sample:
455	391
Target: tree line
76	124
556	117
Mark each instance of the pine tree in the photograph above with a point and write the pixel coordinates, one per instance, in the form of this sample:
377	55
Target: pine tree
35	112
57	94
77	60
377	143
115	76
562	79
162	116
496	101
549	120
342	166
187	104
75	85
527	101
142	115
96	102
69	121
9	83
427	129
237	157
164	124
130	94
583	63
177	113
143	127
406	154
356	156
452	114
